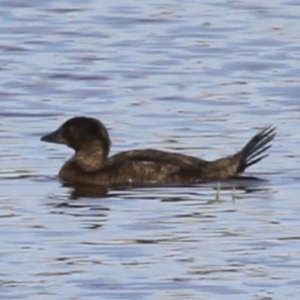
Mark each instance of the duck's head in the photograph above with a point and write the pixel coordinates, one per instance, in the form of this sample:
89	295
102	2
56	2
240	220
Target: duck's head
80	132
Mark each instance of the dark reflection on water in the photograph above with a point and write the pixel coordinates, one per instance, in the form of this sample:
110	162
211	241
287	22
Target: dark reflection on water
245	184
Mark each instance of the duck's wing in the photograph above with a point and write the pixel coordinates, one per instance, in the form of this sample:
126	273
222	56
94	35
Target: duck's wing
151	167
160	157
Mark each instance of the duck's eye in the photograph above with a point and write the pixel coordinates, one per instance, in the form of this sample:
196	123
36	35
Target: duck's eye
71	129
68	130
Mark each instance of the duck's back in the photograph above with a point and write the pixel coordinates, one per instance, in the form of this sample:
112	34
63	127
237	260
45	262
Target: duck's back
158	157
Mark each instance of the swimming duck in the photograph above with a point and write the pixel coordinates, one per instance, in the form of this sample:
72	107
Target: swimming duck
91	163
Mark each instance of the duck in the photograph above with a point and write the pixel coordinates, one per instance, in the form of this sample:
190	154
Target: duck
92	165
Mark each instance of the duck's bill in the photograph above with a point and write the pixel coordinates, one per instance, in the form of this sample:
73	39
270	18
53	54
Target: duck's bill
54	137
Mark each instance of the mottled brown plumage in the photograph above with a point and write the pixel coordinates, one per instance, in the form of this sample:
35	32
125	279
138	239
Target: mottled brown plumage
91	164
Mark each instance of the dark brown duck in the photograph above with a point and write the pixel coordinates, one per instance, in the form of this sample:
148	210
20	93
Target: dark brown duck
91	164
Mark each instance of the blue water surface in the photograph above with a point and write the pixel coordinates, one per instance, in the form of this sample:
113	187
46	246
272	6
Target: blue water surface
196	77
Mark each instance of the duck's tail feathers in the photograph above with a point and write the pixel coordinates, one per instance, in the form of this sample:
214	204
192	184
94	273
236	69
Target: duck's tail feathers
254	149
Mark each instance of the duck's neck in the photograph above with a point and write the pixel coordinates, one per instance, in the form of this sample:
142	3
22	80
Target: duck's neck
91	158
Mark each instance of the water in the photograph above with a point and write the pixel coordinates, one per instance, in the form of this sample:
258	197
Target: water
187	76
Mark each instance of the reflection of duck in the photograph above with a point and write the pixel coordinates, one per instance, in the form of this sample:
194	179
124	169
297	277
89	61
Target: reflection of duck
91	164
